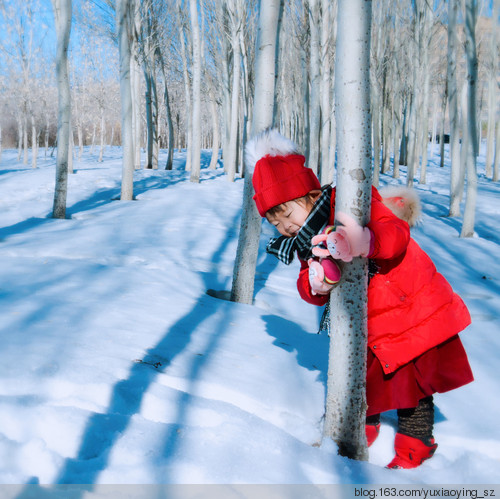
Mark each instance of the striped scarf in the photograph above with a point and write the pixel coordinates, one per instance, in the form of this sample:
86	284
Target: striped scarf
284	247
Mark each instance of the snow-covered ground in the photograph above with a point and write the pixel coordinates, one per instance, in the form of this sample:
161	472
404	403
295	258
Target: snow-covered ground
116	366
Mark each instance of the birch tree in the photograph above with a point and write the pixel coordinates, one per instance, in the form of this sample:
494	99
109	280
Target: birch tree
62	15
492	89
263	115
313	160
346	392
234	10
327	35
456	180
496	163
470	128
196	121
124	13
187	84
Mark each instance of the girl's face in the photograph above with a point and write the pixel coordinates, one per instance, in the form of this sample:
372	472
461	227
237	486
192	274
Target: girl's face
291	218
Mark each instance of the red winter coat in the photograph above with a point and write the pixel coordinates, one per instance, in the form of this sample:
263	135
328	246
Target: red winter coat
411	307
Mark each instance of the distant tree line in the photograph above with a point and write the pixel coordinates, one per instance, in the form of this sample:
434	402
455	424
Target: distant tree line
192	80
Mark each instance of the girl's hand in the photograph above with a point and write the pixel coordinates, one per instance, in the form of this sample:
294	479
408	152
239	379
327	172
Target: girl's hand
344	242
323	274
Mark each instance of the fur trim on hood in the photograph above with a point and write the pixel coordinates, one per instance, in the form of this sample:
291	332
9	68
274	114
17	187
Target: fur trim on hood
403	202
268	143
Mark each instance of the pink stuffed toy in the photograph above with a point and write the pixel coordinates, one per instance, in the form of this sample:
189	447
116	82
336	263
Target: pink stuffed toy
344	242
323	274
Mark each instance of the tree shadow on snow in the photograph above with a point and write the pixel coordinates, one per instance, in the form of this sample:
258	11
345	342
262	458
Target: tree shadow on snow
311	350
103	430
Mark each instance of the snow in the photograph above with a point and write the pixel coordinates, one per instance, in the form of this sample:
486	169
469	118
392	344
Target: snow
117	367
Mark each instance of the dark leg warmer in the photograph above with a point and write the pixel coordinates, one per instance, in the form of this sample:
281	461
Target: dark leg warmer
417	422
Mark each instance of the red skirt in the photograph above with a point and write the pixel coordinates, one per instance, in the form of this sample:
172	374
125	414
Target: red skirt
440	369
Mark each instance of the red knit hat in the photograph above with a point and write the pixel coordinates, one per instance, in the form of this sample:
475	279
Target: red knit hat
278	179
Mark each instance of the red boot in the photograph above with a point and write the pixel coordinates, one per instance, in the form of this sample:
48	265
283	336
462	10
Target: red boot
372	431
411	452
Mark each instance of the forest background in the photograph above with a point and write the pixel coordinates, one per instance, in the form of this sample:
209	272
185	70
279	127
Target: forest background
419	77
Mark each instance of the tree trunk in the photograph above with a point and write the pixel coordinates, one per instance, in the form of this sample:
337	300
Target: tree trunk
456	185
424	116
492	91
71	148
216	133
196	122
46	137
346	392
124	22
34	143
103	124
315	98
25	138
232	157
443	122
135	86
19	138
375	104
149	117
80	140
270	13
62	14
472	146
496	163
187	91
168	113
326	176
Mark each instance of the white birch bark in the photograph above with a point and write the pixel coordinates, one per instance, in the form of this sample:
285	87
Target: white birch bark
19	138
441	133
232	157
187	91
168	114
376	97
102	145
34	144
496	162
375	109
456	186
492	91
215	132
346	393
414	122
471	7
149	116
46	138
313	160
62	15
424	117
196	121
264	101
434	127
71	148
135	86
124	10
25	138
326	176
80	140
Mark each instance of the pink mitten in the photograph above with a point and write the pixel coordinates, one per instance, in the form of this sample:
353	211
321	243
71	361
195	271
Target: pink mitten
323	275
344	242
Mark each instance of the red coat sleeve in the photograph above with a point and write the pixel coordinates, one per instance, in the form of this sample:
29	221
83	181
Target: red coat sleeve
304	287
391	235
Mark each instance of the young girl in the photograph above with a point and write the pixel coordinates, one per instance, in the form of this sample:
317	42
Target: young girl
414	316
